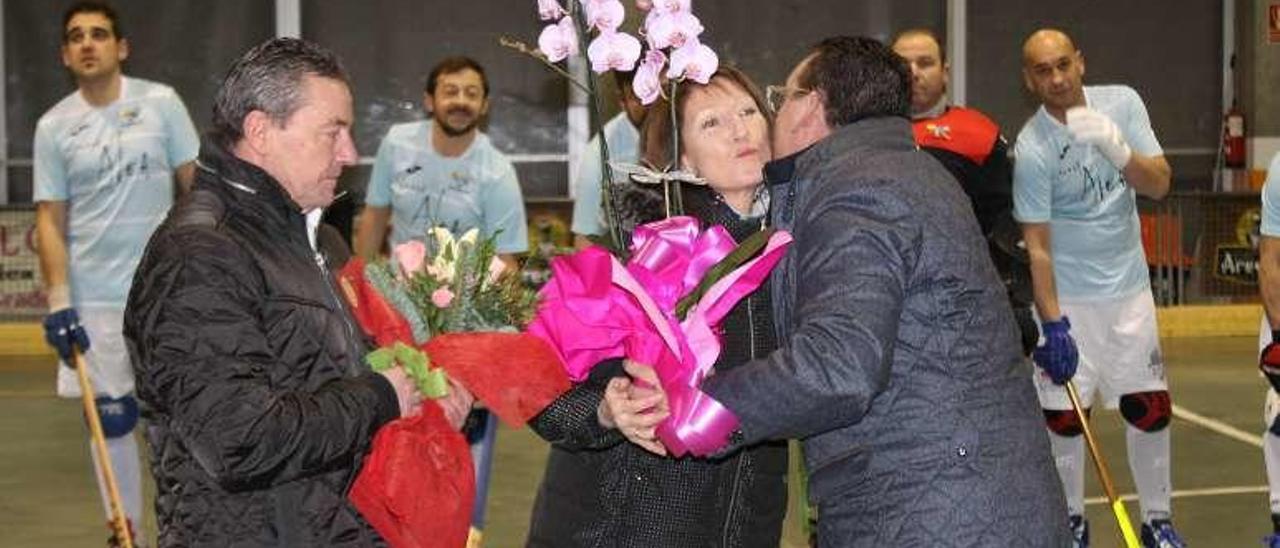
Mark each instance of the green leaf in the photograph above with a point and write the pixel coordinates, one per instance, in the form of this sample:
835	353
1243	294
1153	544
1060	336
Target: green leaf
749	248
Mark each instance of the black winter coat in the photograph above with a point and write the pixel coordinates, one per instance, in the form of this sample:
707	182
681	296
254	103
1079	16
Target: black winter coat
898	362
600	490
249	371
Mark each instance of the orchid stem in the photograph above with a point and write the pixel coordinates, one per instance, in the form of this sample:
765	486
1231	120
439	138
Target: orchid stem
674	200
509	42
608	198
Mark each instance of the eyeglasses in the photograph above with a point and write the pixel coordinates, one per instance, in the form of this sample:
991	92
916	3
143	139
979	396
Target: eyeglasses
776	95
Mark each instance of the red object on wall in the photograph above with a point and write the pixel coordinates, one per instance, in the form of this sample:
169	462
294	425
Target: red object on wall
1233	138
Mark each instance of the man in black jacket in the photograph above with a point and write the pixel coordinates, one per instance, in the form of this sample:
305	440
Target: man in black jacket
899	365
249	368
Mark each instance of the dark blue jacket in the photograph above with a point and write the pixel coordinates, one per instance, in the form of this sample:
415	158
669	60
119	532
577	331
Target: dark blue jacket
899	362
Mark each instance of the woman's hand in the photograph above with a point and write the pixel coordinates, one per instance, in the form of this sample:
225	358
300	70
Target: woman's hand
635	406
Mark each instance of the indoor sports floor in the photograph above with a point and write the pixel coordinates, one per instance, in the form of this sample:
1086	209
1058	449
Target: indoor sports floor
48	497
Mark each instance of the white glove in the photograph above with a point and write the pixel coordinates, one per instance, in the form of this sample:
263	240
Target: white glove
1091	127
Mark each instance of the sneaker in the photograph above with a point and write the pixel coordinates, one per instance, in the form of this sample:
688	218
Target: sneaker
1159	533
1079	531
1272	540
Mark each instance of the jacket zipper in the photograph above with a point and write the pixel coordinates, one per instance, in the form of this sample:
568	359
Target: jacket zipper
333	298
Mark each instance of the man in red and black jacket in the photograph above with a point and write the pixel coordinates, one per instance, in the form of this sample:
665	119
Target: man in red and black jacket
972	148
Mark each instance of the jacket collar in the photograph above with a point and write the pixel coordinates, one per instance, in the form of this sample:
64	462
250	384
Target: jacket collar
246	184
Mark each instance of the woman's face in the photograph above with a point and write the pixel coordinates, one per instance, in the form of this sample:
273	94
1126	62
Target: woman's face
725	137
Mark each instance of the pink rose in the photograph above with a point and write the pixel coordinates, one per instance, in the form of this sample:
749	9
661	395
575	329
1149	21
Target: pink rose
442	297
410	256
644	5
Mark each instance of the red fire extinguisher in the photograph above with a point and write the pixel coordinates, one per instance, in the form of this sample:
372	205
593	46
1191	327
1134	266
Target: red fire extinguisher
1233	137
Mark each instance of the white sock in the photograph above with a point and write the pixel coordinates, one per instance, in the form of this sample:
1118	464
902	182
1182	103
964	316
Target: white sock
1271	456
127	467
1068	456
1149	462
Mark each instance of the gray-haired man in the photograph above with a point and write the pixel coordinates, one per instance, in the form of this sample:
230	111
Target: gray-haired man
248	367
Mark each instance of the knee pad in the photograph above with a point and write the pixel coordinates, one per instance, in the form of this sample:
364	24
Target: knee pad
1147	411
1064	422
118	416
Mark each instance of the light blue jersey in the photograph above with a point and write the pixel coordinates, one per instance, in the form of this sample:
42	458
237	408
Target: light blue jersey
623	141
1271	199
424	189
114	167
1091	209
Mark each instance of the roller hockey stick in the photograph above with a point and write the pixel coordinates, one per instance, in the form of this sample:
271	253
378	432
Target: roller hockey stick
118	519
1104	477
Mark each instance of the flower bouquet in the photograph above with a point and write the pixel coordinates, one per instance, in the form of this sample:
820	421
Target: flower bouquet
446	306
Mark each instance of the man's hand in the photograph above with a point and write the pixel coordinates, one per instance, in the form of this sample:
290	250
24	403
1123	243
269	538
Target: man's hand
1095	128
635	407
406	391
1269	360
1058	357
456	405
62	330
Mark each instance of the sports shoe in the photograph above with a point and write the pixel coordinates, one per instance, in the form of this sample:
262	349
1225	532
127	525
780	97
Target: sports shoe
1079	531
1159	533
1272	540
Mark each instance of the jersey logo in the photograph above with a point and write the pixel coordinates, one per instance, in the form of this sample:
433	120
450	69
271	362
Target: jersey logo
938	131
130	117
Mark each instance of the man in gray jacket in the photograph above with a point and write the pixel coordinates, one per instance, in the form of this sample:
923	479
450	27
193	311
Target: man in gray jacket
900	366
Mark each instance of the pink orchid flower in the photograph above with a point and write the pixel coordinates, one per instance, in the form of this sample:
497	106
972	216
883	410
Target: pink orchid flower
442	297
550	9
559	40
644	5
410	256
648	79
693	61
604	15
672	6
671	29
613	51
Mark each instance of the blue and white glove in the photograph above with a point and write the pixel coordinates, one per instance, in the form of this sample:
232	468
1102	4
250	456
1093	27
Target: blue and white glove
62	329
1091	127
1058	356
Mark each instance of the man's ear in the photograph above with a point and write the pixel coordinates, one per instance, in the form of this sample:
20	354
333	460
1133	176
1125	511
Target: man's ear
256	128
122	50
814	111
428	104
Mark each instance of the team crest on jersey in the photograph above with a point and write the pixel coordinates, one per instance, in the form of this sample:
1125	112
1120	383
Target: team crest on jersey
130	116
939	131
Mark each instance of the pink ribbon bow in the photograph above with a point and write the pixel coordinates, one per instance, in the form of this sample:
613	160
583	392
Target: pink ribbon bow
595	308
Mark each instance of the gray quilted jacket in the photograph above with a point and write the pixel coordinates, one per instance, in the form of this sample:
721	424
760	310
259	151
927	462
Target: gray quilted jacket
899	362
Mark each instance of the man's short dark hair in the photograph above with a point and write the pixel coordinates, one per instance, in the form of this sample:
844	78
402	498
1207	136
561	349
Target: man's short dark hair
102	8
859	77
269	78
450	65
921	31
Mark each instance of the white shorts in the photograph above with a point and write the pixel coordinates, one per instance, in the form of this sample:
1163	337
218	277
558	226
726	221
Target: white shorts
107	358
1119	352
